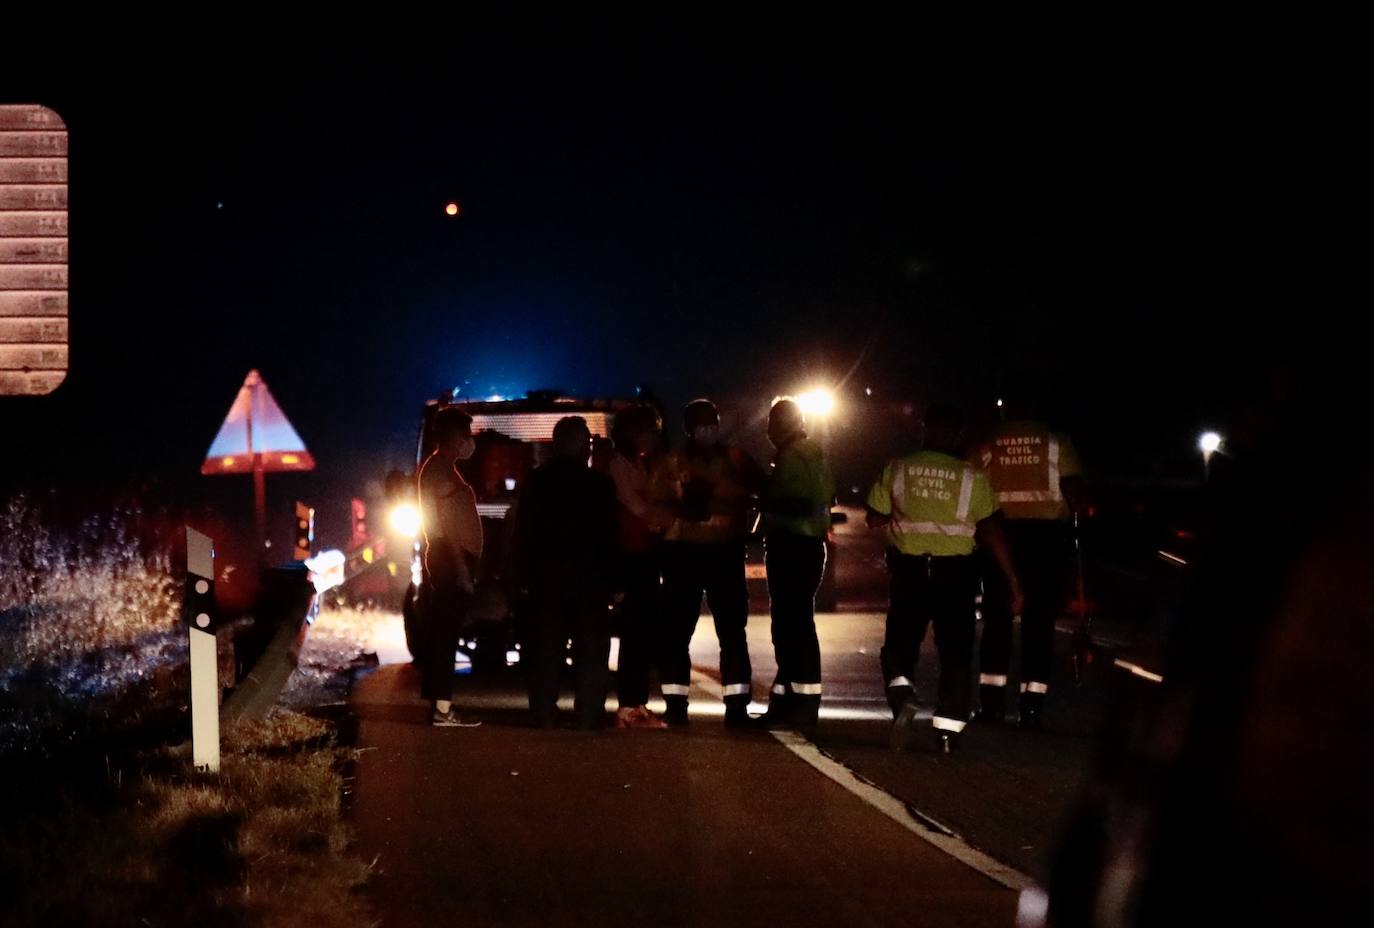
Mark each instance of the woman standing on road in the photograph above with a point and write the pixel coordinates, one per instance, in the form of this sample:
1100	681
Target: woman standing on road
642	524
453	544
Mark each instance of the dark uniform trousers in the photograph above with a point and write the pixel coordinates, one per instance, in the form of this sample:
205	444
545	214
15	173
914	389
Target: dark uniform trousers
640	629
556	614
446	604
689	570
795	566
1040	551
928	589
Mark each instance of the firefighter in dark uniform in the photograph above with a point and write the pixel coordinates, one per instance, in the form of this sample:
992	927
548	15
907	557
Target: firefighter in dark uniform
935	509
796	506
709	486
1036	475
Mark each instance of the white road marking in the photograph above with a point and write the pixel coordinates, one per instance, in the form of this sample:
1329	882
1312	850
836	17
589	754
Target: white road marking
914	821
1138	670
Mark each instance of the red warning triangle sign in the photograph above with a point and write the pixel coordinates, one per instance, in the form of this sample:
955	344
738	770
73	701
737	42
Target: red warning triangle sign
256	429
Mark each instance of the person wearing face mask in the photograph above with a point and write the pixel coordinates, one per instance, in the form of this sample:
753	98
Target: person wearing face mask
642	524
796	509
709	486
452	546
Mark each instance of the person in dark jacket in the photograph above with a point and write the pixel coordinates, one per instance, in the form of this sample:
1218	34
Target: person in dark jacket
566	547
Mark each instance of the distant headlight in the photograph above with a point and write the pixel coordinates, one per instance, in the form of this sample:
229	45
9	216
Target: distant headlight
405	520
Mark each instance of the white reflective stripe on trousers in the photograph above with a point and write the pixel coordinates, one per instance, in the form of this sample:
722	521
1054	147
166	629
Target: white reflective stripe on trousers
736	689
965	495
806	689
992	679
898	681
674	689
1033	687
944	724
780	689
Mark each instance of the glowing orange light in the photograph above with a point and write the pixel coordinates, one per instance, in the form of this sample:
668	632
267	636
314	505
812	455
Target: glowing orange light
290	459
451	209
228	462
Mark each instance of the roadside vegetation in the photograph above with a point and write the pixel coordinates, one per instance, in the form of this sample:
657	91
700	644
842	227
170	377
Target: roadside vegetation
105	821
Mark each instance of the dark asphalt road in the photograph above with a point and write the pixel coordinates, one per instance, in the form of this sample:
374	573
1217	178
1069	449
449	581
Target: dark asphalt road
505	824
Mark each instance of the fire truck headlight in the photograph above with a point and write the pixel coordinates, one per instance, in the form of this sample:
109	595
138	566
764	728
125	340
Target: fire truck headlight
817	403
405	520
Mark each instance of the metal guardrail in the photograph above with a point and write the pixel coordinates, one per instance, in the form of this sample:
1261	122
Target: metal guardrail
268	651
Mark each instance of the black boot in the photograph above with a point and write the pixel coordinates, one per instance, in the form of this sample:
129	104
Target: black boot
946	742
778	713
903	726
899	696
994	707
1031	706
806	712
737	712
676	713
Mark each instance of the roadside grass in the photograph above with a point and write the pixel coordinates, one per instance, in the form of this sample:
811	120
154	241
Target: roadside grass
146	841
102	819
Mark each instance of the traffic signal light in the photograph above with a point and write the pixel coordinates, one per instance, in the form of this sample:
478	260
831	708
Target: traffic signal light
305	531
360	532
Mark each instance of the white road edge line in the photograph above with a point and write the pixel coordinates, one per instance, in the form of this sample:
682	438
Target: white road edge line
928	830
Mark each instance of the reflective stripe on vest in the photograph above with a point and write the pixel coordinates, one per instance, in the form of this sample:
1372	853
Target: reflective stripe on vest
905	527
1052	494
960	529
1027	496
965	495
1053	457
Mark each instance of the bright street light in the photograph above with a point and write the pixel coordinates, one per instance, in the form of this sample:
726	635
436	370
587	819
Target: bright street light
405	520
1209	442
816	403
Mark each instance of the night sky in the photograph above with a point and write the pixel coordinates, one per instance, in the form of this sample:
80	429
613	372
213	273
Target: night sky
732	223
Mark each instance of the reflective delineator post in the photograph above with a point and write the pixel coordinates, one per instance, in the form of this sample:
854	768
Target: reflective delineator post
200	617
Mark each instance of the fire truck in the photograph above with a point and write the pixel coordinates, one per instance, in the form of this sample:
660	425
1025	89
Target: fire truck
513	437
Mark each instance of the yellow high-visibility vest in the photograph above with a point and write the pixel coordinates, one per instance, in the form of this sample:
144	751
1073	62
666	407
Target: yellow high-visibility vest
936	502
